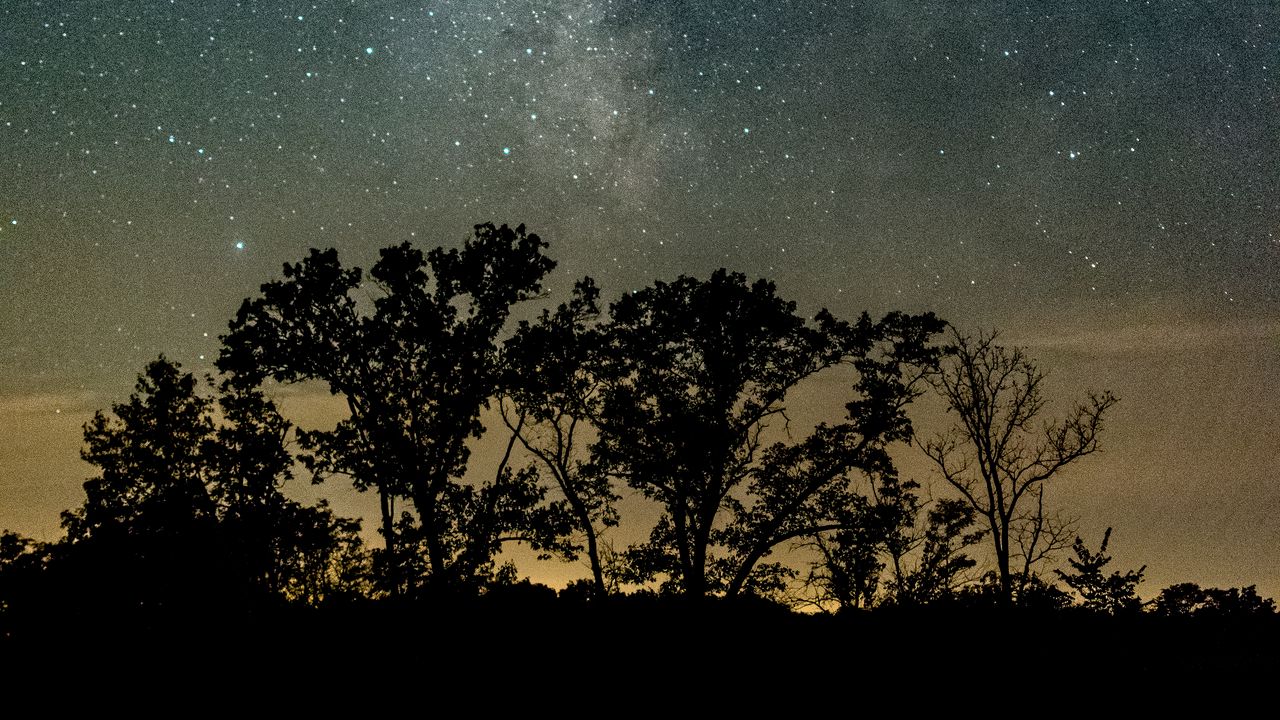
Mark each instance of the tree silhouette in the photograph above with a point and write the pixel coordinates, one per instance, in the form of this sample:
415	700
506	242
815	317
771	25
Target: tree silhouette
415	374
1191	600
151	479
145	538
301	553
886	544
847	572
1112	594
186	510
548	395
22	562
999	457
694	372
939	570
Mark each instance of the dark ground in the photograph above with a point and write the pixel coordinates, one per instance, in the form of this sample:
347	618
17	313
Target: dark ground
652	648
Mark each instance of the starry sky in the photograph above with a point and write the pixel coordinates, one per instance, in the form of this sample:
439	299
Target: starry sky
1097	180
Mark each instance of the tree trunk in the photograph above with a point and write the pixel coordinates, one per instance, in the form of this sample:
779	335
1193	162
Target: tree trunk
679	519
593	550
1002	562
701	540
426	503
597	572
389	540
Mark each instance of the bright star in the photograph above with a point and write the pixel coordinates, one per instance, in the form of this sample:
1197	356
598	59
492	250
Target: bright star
239	244
368	51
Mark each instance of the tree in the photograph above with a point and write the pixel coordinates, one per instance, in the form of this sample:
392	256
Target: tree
185	509
694	371
547	395
999	457
22	562
146	536
940	569
300	553
415	374
1112	594
1190	600
886	552
847	572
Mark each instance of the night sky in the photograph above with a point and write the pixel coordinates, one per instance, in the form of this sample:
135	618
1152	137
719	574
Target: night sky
1098	180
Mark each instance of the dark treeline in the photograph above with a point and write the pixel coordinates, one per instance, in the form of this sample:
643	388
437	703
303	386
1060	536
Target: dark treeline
676	392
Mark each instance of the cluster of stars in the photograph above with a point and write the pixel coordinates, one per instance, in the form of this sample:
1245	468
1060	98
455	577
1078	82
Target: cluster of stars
646	142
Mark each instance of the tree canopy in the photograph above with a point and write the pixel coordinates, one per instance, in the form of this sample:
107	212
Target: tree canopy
186	506
415	373
694	371
676	396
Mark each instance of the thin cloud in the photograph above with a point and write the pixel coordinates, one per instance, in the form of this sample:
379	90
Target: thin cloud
1156	338
15	406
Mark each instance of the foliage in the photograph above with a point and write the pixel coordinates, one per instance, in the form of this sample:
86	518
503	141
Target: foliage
939	573
547	395
1032	593
151	478
887	551
185	509
1190	600
22	560
1112	594
693	373
415	374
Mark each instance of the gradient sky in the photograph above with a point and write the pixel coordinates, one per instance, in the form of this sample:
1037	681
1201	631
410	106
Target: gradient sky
1098	180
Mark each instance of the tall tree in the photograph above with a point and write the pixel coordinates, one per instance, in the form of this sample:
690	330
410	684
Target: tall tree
186	507
694	373
151	472
548	395
415	374
1002	452
304	553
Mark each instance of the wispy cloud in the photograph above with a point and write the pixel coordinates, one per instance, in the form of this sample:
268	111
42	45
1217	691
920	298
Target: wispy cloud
16	406
1155	338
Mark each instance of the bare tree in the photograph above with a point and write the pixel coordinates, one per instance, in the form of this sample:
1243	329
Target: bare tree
1001	452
